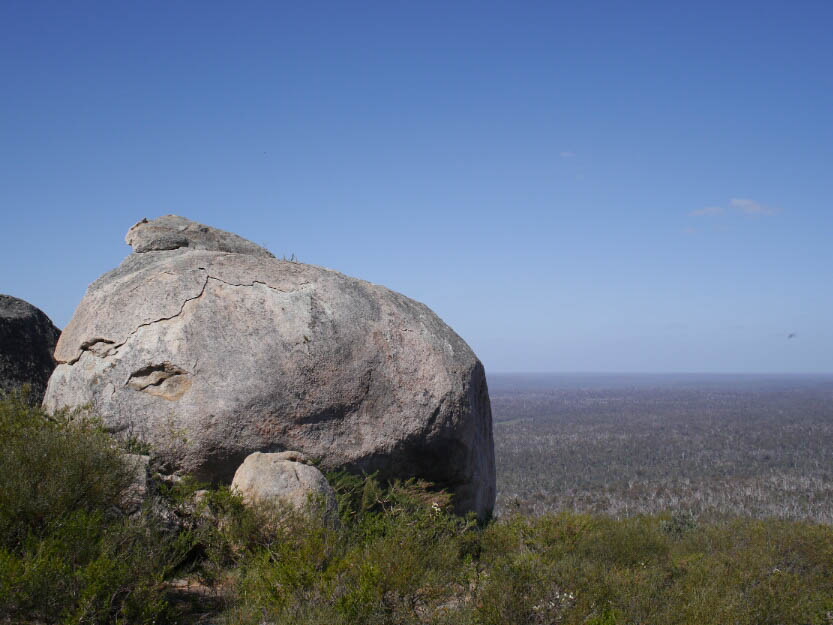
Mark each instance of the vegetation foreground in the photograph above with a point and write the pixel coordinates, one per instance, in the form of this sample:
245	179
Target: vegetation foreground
69	555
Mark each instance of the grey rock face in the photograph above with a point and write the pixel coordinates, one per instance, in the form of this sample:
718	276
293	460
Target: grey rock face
172	232
286	477
27	340
210	355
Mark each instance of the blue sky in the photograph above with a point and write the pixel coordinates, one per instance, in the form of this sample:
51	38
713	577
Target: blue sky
594	186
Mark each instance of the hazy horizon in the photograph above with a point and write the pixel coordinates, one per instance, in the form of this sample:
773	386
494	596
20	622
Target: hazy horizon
517	382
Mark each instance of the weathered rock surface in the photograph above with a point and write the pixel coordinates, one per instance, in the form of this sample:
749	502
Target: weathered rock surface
172	232
212	354
27	340
286	477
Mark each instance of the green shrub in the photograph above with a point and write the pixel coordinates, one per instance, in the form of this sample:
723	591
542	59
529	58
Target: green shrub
66	552
51	466
681	522
396	555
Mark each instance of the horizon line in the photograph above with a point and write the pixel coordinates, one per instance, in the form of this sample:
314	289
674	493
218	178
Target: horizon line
747	373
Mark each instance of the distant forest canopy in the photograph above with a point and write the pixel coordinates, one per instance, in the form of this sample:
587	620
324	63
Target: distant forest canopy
708	445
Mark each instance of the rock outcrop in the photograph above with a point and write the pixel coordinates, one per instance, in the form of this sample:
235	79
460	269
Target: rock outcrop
205	346
27	340
286	477
172	232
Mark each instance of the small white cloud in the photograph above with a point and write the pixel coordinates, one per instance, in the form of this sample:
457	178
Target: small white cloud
751	207
736	204
704	212
566	154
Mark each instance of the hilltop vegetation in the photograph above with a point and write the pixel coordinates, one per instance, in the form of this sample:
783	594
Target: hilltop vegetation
68	555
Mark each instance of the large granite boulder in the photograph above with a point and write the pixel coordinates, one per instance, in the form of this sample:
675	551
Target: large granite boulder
288	478
27	340
210	349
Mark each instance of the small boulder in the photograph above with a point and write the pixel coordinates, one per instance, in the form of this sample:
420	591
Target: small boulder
27	342
285	477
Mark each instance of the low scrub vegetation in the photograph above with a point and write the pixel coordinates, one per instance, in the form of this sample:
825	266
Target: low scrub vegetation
68	555
755	446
